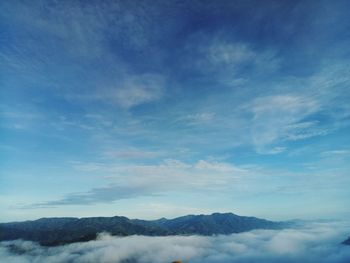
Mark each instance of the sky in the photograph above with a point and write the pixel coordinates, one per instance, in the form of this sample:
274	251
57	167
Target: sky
153	109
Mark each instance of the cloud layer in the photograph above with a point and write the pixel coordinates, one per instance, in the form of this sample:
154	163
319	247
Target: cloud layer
316	242
146	180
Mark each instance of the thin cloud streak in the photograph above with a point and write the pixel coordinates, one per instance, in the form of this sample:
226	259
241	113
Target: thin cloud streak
131	181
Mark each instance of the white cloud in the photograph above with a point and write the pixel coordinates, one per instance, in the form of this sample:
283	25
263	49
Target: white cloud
304	130
316	242
127	91
171	173
19	119
230	53
239	54
125	181
131	153
280	117
290	104
138	89
339	152
273	150
198	118
228	59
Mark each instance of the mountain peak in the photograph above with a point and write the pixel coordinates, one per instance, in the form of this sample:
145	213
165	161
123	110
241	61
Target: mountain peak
346	242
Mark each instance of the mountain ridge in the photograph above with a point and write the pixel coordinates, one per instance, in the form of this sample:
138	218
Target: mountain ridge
64	230
346	242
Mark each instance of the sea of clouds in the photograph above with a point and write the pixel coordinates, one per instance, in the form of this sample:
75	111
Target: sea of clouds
312	242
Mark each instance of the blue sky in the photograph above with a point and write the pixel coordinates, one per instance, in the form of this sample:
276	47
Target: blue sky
164	108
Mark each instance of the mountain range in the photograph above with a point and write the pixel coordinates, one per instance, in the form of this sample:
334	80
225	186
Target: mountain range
64	230
346	242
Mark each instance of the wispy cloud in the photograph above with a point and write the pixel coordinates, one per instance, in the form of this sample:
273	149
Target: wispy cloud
280	117
237	55
130	181
231	62
341	152
20	119
138	90
135	181
131	153
127	91
197	118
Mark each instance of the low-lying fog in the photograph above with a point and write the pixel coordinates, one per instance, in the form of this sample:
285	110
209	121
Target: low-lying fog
314	242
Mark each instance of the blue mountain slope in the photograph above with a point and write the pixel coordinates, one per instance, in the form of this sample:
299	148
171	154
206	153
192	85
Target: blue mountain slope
57	231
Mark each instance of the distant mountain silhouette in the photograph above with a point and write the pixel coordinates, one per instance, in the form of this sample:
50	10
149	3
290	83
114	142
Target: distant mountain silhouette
58	231
346	242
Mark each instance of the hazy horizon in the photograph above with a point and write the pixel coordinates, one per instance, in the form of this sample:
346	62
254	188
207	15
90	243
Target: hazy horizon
329	219
151	109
